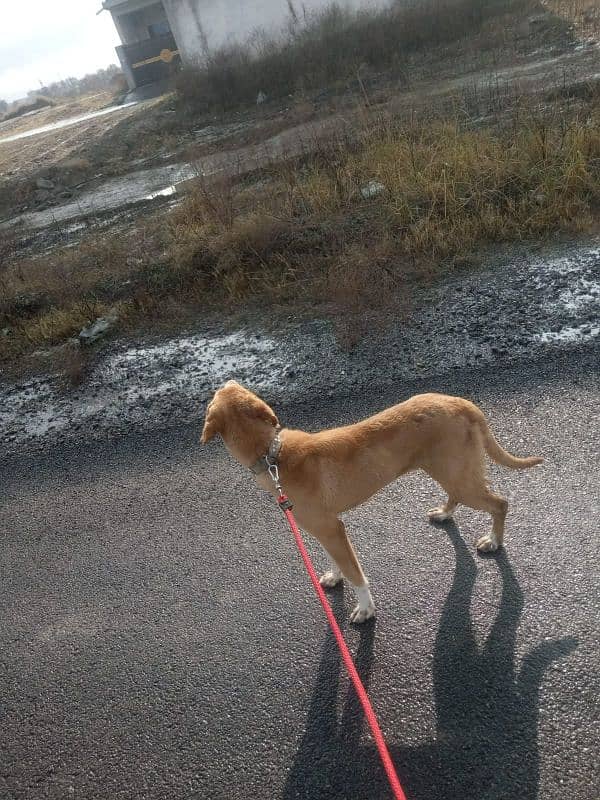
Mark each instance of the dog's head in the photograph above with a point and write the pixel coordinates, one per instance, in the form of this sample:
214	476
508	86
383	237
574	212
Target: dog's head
233	412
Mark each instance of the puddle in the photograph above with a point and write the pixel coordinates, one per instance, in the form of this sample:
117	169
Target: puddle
65	123
147	184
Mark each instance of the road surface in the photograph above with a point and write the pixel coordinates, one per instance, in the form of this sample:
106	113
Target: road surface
159	638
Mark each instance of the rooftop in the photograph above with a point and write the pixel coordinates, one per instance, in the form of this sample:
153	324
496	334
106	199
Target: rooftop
110	4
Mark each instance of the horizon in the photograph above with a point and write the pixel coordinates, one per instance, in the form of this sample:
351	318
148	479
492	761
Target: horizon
52	43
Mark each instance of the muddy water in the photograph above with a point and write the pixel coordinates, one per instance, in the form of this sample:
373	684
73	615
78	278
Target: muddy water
113	194
524	306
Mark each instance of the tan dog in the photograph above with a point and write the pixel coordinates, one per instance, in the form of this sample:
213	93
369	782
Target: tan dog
329	472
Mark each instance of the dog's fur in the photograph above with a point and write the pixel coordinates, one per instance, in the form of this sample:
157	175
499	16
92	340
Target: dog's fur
329	472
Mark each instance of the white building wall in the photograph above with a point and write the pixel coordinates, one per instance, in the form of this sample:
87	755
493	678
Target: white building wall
196	23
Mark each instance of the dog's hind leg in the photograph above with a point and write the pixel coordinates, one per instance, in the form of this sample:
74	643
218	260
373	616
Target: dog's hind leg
474	493
495	505
461	472
331	533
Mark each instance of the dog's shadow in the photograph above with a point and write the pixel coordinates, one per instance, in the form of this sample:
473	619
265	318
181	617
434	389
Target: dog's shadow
486	714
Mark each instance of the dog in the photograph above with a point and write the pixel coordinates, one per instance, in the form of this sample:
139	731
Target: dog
327	473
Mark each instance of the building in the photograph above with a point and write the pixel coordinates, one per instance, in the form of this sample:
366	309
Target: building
148	51
157	34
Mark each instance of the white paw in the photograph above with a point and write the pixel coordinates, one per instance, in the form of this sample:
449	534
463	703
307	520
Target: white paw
438	514
362	614
331	579
487	544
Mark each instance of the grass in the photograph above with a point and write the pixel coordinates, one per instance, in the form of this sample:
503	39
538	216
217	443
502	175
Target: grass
584	14
307	232
333	45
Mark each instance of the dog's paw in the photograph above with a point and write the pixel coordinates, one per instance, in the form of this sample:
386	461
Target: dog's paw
330	579
438	514
360	615
487	544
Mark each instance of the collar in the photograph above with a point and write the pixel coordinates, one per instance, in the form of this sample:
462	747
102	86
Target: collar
270	457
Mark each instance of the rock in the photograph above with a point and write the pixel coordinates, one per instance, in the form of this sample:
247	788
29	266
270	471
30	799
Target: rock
98	329
44	183
262	98
372	189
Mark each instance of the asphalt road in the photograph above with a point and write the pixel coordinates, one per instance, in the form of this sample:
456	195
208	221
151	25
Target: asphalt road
159	638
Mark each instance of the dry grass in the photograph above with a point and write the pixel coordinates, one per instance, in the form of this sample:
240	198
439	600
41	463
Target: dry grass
584	14
307	231
27	106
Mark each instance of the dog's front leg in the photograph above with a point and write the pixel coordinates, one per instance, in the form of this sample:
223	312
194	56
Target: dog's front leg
330	531
332	577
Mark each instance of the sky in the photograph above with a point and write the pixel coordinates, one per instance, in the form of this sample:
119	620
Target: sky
47	40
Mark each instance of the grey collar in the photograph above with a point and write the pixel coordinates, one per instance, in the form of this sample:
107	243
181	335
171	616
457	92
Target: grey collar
271	456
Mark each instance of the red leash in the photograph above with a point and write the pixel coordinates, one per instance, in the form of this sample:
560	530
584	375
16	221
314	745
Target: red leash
360	690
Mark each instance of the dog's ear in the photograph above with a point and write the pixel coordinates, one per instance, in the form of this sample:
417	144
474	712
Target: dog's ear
262	411
212	423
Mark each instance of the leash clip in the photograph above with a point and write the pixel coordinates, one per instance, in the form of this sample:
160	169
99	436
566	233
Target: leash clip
273	471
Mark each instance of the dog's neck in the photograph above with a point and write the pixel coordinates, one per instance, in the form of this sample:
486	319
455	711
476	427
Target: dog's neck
248	450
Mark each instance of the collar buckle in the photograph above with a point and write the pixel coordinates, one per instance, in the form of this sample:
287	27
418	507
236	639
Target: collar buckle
268	462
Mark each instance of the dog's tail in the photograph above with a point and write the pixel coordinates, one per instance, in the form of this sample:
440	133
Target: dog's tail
501	456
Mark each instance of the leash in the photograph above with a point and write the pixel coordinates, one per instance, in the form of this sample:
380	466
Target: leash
286	506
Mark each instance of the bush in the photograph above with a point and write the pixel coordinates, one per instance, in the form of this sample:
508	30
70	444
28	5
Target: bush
328	46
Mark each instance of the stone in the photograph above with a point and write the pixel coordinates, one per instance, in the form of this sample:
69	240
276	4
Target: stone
44	183
98	329
372	189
